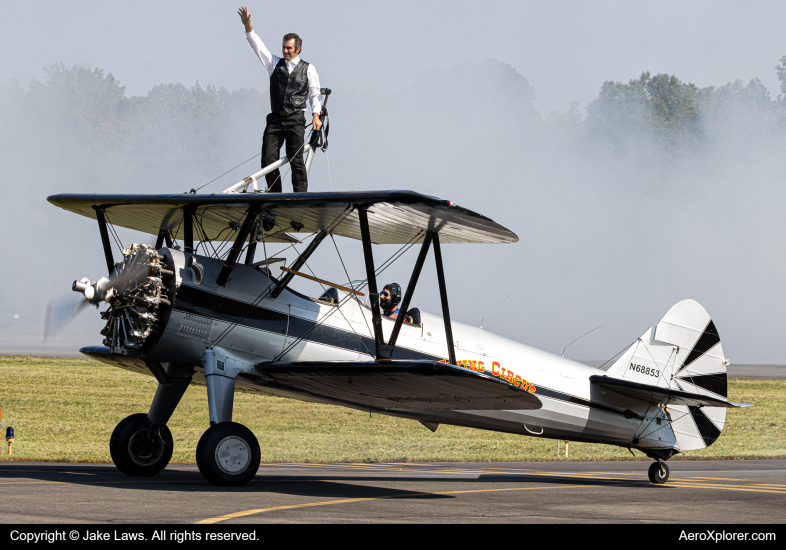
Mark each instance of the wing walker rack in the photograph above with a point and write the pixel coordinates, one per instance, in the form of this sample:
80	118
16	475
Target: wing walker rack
255	218
315	142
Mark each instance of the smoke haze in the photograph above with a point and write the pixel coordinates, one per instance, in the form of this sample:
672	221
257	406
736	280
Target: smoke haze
648	190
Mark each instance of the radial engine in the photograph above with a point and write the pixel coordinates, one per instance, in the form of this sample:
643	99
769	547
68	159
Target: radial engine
139	293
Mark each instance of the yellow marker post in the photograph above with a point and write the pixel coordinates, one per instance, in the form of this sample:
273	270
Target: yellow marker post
9	437
566	448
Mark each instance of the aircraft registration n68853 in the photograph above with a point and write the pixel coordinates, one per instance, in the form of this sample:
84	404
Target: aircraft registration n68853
184	312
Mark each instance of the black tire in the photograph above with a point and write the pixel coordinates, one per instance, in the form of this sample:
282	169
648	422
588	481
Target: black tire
200	453
131	452
228	454
656	475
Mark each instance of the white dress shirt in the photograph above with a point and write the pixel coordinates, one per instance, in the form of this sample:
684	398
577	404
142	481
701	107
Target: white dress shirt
270	61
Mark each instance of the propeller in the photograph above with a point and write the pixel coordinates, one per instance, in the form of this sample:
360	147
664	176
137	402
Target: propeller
60	312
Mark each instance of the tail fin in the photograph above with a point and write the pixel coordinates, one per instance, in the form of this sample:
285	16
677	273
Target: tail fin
682	352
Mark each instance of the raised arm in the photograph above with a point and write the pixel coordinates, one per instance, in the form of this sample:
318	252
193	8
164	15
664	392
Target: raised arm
268	60
245	17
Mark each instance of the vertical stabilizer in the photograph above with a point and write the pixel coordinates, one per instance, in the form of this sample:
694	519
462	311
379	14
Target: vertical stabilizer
682	352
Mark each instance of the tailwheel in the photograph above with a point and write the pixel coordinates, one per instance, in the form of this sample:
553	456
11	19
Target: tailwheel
228	454
139	449
658	472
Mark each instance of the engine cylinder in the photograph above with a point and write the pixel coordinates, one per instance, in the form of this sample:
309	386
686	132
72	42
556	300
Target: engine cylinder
139	302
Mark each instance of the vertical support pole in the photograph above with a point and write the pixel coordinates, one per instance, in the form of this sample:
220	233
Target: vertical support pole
443	295
231	261
188	229
110	261
410	289
310	159
252	244
376	316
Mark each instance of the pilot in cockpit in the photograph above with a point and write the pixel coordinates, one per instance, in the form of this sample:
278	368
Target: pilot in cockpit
389	299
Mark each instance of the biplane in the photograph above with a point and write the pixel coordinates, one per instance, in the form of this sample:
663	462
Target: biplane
184	312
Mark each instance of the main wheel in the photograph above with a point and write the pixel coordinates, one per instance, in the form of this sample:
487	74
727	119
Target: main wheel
656	475
139	450
228	454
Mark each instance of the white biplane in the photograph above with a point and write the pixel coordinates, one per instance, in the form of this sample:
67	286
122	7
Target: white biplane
185	315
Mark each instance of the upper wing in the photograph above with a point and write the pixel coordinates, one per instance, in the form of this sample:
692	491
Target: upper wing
657	394
395	217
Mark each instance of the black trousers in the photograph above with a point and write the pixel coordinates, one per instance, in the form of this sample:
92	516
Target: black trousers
290	129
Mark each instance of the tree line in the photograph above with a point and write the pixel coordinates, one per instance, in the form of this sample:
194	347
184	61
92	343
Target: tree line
80	122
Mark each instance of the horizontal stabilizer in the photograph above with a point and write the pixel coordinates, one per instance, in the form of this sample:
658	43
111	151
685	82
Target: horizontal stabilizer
399	385
657	394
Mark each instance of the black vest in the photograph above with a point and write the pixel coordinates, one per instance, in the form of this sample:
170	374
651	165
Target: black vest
288	92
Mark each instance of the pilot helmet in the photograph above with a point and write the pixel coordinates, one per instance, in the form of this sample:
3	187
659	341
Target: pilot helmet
395	293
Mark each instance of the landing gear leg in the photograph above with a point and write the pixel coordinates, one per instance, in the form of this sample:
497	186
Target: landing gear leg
658	472
141	444
228	453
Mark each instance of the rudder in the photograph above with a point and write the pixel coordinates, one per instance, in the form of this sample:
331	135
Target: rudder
682	352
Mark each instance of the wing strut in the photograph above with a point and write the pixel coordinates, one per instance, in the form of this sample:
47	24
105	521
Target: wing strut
237	247
252	244
163	236
188	229
299	263
411	288
383	351
443	295
110	261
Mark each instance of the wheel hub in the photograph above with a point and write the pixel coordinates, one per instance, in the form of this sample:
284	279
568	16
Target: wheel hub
145	452
233	455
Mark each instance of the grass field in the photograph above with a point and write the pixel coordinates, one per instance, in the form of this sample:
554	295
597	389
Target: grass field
66	409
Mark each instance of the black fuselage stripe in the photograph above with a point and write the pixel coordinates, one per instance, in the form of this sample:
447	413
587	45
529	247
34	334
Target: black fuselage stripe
572	399
191	300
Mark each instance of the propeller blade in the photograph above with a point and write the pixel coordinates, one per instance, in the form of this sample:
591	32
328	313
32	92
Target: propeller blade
60	312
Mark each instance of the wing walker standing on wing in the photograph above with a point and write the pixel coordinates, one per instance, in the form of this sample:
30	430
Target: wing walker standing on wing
293	81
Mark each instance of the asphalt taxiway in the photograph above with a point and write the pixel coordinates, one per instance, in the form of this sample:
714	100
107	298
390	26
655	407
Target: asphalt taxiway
548	492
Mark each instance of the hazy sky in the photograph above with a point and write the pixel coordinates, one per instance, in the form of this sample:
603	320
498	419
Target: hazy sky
565	48
602	242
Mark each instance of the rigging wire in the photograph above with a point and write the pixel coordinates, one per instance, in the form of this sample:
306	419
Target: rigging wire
265	292
327	156
267	190
339	309
201	228
245	313
279	252
618	354
114	234
174	240
349	279
396	254
226	243
193	191
670	423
